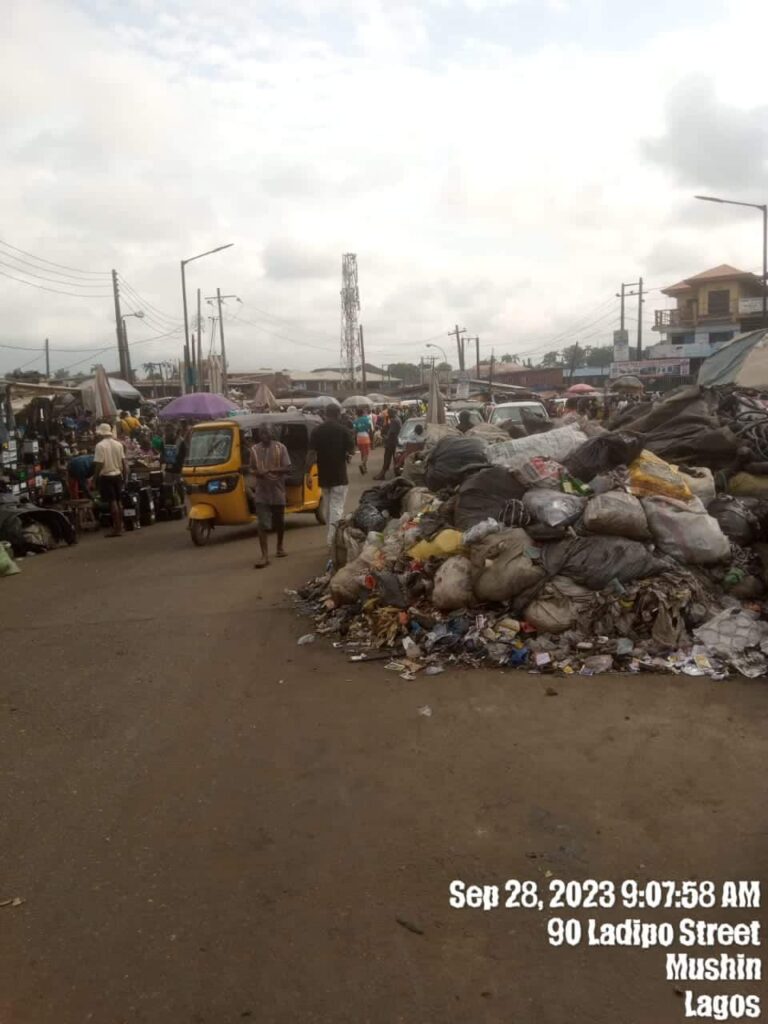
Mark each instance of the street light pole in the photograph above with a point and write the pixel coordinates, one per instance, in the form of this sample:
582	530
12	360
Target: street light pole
440	349
763	207
184	296
126	352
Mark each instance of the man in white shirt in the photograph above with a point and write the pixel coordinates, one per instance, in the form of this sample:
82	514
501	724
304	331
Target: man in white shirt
109	472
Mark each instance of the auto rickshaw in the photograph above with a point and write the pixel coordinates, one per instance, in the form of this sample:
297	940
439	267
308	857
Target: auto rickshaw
218	461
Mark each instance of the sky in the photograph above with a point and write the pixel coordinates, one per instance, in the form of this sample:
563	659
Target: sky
500	164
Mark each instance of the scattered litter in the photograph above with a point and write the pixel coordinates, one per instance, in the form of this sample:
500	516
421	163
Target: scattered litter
308	638
433	670
15	902
426	711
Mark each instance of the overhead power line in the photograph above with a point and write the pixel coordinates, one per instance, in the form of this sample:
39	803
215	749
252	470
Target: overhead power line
49	280
145	303
60	266
57	291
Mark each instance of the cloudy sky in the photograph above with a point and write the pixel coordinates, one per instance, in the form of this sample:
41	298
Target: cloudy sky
500	163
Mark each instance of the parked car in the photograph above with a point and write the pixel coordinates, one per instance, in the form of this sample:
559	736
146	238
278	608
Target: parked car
514	411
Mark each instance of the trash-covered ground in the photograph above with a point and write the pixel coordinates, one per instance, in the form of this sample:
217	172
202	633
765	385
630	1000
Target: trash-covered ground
574	550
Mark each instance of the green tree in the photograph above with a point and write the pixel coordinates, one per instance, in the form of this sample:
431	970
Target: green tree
508	358
551	359
573	356
600	355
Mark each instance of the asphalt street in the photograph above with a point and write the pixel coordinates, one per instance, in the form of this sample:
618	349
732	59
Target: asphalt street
204	823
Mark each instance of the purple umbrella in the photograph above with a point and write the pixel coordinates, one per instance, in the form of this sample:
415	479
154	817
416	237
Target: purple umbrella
199	405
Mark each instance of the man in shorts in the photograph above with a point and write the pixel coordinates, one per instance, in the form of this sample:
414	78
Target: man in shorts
270	465
109	472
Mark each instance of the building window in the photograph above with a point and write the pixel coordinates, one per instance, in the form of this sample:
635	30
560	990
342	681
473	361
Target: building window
717	337
719	303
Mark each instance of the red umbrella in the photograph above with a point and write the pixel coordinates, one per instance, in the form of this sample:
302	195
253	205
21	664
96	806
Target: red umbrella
580	389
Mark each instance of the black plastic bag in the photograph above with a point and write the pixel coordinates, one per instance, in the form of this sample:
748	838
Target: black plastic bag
602	454
737	518
369	518
485	495
389	497
595	561
452	460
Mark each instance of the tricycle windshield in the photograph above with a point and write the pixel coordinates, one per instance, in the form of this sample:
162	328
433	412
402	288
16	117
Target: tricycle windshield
210	447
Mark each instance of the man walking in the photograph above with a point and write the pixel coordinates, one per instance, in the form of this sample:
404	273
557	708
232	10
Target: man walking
392	433
270	465
331	445
109	472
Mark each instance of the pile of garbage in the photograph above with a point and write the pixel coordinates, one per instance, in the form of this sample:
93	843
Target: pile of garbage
576	550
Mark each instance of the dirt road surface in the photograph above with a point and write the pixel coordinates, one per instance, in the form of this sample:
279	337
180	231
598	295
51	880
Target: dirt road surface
209	824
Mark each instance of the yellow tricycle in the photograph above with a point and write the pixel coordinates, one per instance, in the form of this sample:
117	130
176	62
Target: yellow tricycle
218	462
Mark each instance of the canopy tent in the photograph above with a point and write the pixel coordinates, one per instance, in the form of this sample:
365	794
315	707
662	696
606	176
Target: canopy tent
742	362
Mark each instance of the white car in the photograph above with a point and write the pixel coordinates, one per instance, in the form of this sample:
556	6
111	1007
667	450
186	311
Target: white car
514	411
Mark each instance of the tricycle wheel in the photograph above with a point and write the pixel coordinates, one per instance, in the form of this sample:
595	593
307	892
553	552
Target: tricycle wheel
201	530
320	515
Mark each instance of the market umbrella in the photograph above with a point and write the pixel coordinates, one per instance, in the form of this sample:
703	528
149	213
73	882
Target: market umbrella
435	405
743	362
379	399
580	389
263	400
198	405
628	382
97	397
322	402
355	401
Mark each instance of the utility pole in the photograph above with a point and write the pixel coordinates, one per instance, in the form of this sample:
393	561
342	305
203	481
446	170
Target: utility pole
639	293
457	332
477	357
362	359
199	344
219	298
224	382
574	357
47	361
490	376
118	323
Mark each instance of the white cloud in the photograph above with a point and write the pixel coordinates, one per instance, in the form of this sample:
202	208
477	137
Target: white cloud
506	188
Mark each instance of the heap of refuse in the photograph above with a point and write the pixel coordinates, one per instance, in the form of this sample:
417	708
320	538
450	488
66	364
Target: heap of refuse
578	549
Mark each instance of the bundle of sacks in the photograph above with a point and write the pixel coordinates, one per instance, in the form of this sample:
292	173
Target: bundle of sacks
566	537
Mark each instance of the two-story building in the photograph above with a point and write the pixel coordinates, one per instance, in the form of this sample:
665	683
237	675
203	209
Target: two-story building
710	309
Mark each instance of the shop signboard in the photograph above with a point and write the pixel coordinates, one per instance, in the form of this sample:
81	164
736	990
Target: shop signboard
652	368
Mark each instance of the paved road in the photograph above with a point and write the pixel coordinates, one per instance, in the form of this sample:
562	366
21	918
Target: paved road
208	824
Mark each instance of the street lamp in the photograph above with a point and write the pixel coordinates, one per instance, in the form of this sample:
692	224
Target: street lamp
439	349
191	259
764	210
126	352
